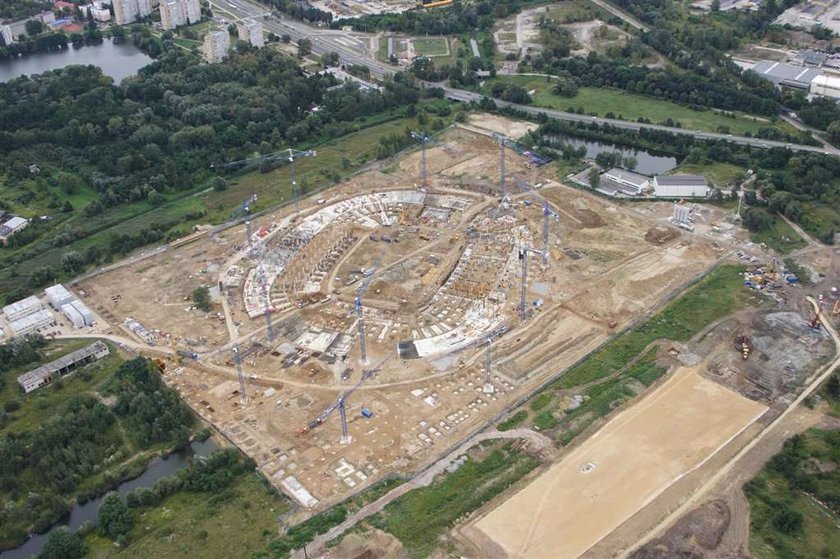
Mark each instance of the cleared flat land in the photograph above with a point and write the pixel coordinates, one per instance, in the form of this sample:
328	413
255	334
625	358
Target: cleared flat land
621	468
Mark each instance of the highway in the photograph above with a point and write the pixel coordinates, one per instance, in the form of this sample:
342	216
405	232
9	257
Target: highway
352	49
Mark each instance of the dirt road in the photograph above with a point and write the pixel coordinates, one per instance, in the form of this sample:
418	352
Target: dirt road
769	436
540	443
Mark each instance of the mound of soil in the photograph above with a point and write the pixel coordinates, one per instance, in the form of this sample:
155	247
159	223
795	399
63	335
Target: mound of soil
589	219
660	235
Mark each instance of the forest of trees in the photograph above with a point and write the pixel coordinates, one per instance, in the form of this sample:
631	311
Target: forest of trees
157	134
21	9
41	469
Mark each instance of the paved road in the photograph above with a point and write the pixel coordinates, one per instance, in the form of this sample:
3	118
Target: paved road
351	48
621	14
539	441
467	96
762	438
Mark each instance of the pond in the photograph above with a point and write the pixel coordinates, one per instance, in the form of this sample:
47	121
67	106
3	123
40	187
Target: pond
648	163
115	60
157	469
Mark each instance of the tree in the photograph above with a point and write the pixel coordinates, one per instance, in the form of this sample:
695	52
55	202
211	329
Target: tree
629	162
715	6
304	47
63	544
34	27
219	184
72	262
834	132
594	177
833	387
114	517
201	298
788	521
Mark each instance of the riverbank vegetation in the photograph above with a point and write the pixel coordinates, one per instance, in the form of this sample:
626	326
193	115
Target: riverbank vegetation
794	502
82	447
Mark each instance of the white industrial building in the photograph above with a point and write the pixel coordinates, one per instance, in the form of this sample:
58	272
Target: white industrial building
32	323
827	86
58	296
22	308
624	182
251	31
216	45
49	372
680	186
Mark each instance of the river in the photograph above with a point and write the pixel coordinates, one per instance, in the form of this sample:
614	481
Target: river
115	60
157	469
648	163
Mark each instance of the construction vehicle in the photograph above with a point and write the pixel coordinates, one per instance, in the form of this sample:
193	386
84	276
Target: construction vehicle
815	323
743	344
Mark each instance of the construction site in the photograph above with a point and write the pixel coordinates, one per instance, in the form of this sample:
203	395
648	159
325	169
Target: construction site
366	330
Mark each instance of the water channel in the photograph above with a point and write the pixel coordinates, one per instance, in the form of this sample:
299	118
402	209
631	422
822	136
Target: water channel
157	469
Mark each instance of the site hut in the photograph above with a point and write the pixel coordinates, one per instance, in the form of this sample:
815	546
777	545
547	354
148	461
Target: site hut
32	323
786	75
624	182
78	314
680	186
22	308
58	296
63	366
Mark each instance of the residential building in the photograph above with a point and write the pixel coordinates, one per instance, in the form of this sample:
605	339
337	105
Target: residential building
251	31
827	86
101	14
128	11
12	226
192	9
680	186
8	36
61	367
32	323
174	13
216	45
624	182
22	308
58	296
786	75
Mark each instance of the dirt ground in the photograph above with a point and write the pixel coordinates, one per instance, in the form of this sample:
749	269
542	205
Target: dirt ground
449	273
618	470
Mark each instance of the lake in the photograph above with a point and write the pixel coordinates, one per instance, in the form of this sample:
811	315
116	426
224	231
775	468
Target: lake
648	163
157	469
116	60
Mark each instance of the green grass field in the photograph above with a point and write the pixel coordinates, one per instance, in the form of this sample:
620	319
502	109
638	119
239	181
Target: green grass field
431	46
421	516
628	106
234	523
781	237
